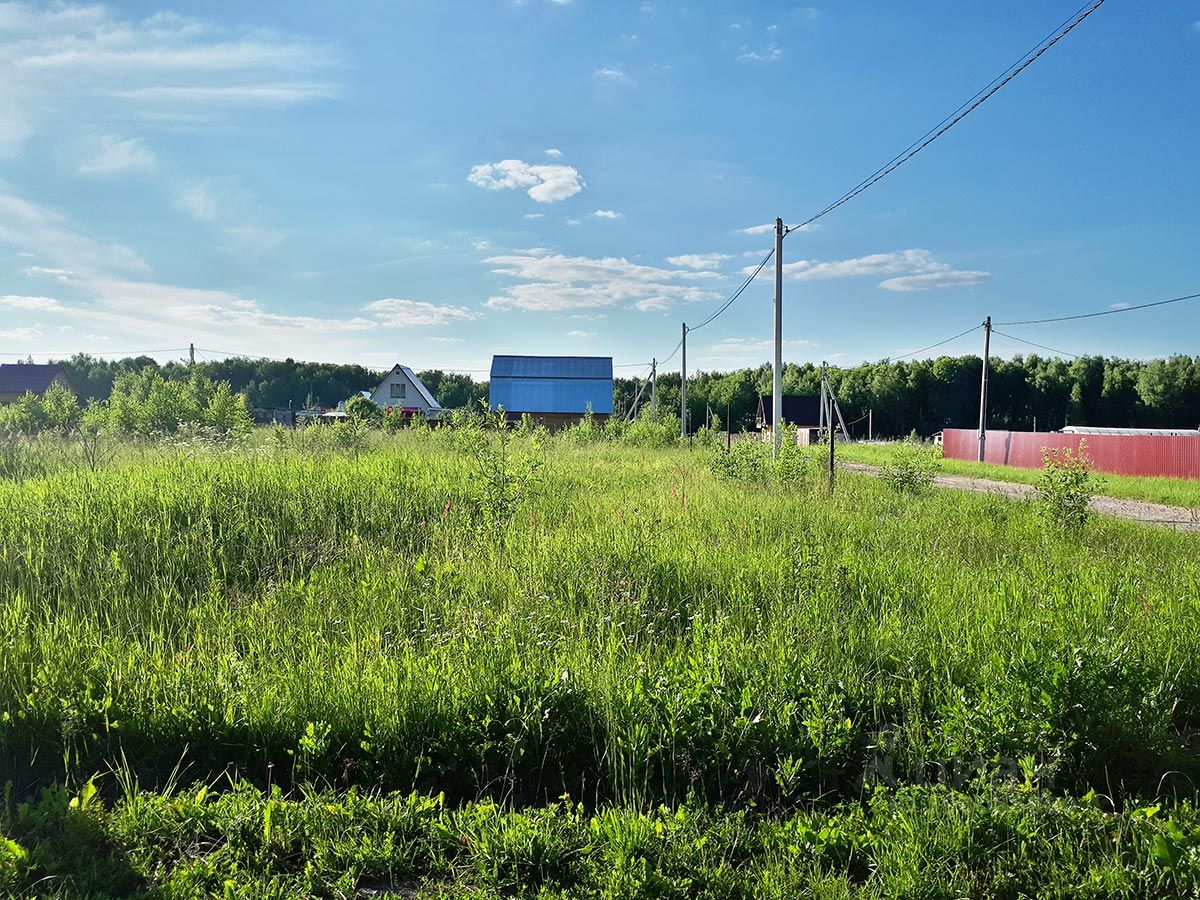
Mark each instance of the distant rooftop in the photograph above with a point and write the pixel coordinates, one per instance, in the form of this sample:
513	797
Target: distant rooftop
552	367
21	378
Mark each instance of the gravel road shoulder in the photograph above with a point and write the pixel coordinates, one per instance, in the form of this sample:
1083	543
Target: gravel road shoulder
1180	518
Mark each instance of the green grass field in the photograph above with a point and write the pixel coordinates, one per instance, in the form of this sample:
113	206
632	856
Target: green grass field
1171	491
431	666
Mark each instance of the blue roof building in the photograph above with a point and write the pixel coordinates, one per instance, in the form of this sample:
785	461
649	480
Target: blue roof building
552	389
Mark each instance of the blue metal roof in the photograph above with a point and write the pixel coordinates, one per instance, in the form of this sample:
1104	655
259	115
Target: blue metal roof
552	384
552	367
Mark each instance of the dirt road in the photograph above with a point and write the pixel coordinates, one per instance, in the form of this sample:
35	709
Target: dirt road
1179	518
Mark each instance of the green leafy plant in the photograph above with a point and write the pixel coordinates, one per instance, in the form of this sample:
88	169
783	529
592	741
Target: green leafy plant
1066	486
912	469
364	409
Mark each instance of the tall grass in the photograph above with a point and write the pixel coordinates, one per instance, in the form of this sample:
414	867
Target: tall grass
642	631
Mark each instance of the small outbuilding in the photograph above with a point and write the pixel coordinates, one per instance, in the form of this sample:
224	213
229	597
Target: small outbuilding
556	391
800	411
19	379
402	392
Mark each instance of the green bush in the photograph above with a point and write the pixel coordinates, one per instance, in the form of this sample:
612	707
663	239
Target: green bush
363	409
56	410
913	467
1065	486
147	404
753	461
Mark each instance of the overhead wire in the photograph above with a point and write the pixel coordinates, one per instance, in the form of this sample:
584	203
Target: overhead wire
981	97
938	344
732	298
1032	344
965	109
1112	311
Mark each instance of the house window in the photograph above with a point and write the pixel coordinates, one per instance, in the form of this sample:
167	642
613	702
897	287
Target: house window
398	391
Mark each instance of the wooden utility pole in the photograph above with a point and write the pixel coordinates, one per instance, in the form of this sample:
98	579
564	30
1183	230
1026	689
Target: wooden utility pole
870	425
777	386
728	428
828	398
191	354
987	344
654	387
683	384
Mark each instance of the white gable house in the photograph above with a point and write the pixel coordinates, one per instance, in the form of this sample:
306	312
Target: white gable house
402	389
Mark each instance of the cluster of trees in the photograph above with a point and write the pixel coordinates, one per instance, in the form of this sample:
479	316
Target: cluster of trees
269	384
925	395
142	402
928	395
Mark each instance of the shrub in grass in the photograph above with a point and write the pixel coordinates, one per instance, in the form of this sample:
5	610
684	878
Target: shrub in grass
363	409
1066	486
912	469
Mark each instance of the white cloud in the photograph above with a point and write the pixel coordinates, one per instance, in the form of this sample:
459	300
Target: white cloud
102	301
416	312
534	216
581	334
699	260
896	263
46	235
84	66
445	340
20	334
742	345
770	228
606	214
482	245
544	183
917	270
16	301
653	304
1110	306
115	156
573	222
934	280
561	283
770	53
219	202
613	75
209	199
554	153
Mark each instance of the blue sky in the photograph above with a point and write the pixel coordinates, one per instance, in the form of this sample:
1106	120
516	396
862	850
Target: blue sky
432	183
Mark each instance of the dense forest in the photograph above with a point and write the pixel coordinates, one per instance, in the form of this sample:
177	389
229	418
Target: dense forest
925	395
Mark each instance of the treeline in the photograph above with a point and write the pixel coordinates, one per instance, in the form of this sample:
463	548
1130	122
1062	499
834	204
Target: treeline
929	395
925	395
269	384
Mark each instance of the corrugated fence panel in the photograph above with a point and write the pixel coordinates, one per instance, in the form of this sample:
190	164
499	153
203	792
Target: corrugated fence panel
1154	455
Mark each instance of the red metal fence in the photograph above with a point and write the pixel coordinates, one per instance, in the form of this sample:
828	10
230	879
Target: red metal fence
1143	454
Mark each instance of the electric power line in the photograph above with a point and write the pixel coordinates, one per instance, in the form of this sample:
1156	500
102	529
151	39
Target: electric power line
1032	344
938	344
1105	312
733	297
959	114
